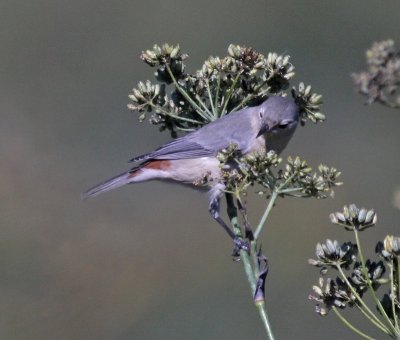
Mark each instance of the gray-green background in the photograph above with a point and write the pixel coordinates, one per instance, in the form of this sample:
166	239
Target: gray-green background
146	261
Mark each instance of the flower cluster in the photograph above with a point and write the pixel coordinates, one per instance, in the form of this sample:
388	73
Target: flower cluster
349	288
318	184
333	254
389	248
295	178
331	294
243	78
387	304
375	271
380	83
309	104
354	218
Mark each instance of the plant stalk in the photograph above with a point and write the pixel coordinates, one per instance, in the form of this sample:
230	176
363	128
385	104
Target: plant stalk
246	260
349	325
264	217
362	303
183	92
375	298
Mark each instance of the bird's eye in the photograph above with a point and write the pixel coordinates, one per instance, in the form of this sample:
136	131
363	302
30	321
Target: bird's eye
283	125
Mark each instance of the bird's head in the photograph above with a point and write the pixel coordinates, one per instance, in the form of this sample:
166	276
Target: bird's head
277	115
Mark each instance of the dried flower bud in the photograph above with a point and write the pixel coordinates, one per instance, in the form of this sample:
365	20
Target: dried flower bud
354	218
278	72
331	295
375	272
245	77
332	254
309	104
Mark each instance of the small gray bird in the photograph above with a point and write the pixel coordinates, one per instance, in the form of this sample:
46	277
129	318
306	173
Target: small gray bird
255	130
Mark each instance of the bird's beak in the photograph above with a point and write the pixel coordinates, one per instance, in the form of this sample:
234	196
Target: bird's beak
264	129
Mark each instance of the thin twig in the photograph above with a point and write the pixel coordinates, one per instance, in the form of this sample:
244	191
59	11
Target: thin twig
393	293
362	303
375	298
228	97
264	217
211	99
385	330
209	116
217	93
156	107
349	325
183	92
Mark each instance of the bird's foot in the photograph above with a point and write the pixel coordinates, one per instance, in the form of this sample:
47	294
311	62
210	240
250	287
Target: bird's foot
238	245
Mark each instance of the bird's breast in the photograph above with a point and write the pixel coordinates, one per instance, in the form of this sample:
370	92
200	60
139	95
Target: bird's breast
194	170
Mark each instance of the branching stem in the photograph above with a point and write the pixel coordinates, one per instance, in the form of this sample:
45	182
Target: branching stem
250	274
360	300
229	95
264	217
393	293
375	298
349	325
183	92
210	98
167	113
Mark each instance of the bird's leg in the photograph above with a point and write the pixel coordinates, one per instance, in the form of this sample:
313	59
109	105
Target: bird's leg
247	227
232	213
214	208
214	211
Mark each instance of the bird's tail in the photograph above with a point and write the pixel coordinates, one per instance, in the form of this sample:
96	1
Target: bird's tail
110	184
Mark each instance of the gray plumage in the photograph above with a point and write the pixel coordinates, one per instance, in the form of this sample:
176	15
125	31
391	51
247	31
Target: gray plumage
239	127
258	129
188	159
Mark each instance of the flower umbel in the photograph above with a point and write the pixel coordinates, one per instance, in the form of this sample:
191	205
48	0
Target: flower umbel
309	104
350	287
380	83
375	272
333	254
330	294
389	248
245	77
354	218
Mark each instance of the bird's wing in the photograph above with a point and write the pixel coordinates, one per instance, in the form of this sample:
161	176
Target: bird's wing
207	141
178	149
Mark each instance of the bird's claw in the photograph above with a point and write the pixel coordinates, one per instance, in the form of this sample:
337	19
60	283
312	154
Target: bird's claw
238	245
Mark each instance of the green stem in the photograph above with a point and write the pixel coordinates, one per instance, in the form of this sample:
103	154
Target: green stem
289	190
362	303
249	96
253	251
393	295
251	277
217	93
398	279
206	114
185	129
211	100
264	316
183	92
228	97
243	102
383	329
264	217
375	298
276	191
172	115
349	325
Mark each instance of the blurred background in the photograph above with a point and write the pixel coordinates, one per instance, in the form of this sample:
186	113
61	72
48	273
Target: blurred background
146	261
